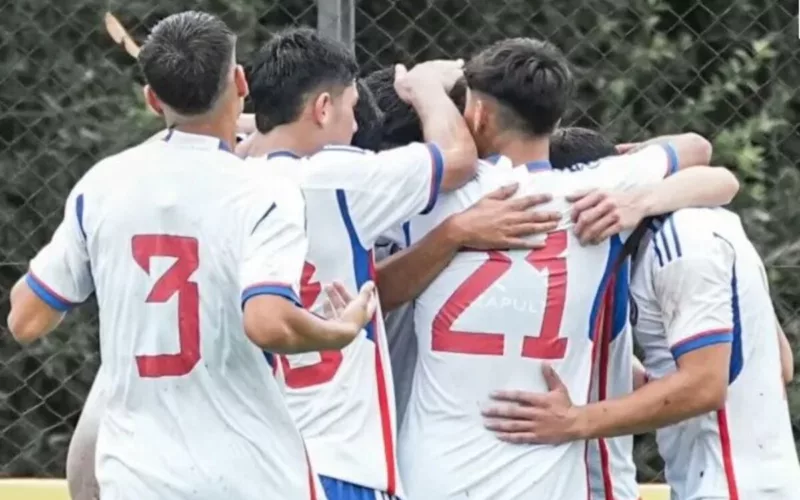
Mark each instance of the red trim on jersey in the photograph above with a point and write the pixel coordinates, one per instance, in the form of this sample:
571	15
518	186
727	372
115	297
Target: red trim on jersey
727	454
595	350
383	398
312	489
602	389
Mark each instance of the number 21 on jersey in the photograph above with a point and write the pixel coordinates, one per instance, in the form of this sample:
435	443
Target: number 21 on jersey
546	344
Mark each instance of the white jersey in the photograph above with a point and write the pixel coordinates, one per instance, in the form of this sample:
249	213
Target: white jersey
343	401
697	282
489	320
612	472
173	237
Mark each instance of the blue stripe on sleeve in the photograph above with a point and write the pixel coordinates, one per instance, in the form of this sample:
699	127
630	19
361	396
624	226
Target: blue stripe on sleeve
672	159
47	295
700	341
437	164
284	291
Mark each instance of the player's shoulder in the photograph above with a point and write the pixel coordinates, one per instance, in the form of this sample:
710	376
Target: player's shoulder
690	233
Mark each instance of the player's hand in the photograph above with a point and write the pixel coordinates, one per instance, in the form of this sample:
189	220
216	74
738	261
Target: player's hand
529	418
354	312
499	222
598	215
440	72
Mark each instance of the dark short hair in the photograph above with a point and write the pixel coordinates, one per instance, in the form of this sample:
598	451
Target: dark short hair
401	124
290	67
186	61
529	78
369	119
570	146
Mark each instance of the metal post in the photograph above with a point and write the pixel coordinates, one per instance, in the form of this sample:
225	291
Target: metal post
337	19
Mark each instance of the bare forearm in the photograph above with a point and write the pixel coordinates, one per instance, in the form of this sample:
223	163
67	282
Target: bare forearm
29	318
276	325
694	187
404	275
444	126
787	357
692	149
657	404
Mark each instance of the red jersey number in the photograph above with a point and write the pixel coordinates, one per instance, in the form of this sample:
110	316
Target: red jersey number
325	369
174	281
546	345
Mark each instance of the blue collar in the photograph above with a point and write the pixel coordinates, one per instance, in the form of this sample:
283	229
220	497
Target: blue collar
537	166
196	140
282	154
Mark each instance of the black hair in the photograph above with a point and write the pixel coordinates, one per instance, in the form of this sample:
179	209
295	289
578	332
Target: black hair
290	67
400	124
571	146
530	79
369	119
186	61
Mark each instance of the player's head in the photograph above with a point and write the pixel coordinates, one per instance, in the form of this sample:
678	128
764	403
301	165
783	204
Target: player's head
575	145
400	123
517	86
302	77
189	64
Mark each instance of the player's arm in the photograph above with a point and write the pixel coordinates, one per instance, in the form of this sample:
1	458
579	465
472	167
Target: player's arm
496	221
694	291
274	253
599	214
639	373
787	356
59	276
425	88
689	149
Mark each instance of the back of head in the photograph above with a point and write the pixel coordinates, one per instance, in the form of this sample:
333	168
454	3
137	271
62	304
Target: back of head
187	60
290	68
575	145
529	79
401	125
369	119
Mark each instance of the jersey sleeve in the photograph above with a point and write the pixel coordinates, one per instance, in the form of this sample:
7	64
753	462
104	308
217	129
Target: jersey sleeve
628	171
61	274
275	247
693	279
383	190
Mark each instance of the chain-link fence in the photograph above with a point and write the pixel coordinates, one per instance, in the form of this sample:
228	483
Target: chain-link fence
729	70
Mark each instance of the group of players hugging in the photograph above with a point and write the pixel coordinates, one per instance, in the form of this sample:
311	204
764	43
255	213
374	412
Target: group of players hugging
242	286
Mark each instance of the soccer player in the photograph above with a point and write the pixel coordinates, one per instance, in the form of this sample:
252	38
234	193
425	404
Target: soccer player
304	94
700	309
193	279
517	92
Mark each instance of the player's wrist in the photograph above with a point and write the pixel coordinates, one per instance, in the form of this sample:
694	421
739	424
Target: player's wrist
455	232
581	424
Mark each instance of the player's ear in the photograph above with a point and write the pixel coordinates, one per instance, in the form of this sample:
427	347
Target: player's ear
152	101
321	108
240	80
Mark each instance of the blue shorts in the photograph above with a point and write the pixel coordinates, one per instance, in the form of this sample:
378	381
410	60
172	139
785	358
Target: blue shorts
342	490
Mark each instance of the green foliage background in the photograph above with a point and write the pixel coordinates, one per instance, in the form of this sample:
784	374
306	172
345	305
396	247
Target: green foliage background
729	70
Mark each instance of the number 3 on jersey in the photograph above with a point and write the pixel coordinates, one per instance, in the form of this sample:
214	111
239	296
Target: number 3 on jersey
175	281
324	370
546	345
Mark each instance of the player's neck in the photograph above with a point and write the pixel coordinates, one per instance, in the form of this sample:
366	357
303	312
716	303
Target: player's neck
522	150
226	132
288	138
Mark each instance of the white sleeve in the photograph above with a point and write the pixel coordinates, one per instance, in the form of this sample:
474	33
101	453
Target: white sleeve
383	190
693	279
625	172
61	273
275	247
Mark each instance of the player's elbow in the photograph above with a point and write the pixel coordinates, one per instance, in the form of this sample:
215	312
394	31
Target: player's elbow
24	327
268	324
710	391
694	149
729	184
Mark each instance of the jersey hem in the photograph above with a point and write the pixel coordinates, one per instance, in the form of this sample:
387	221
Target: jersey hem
702	339
437	164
